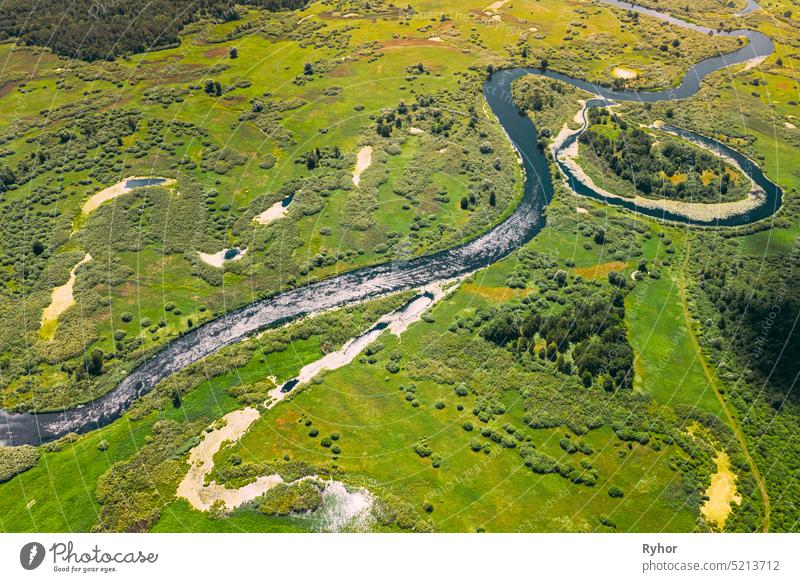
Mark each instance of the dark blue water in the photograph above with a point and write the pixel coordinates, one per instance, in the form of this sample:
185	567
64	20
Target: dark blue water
142	182
520	227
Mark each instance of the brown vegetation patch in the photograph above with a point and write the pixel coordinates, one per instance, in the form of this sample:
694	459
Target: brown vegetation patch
407	42
495	294
599	271
216	52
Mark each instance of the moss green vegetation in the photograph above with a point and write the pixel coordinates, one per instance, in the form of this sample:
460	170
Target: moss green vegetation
585	383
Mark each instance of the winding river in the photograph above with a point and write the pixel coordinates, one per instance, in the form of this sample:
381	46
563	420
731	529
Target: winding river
370	282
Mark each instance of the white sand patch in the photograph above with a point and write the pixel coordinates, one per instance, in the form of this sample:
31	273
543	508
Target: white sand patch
61	297
581	210
752	63
274	212
416	131
443	150
624	73
117	190
435	39
351	15
495	6
533	29
230	428
218	259
363	161
788	125
302	20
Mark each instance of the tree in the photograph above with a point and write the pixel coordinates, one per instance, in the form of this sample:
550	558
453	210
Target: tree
234	53
464	203
94	365
38	248
600	235
308	69
217	88
492	199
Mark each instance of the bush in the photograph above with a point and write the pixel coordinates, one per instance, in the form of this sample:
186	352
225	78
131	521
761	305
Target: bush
127	317
16	460
335	436
326	442
422	449
468	426
313	432
615	492
103	445
285	499
567	445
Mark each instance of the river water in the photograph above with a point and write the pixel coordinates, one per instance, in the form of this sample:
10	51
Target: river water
520	227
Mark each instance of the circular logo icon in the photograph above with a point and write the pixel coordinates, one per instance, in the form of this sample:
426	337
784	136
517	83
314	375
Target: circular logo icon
31	555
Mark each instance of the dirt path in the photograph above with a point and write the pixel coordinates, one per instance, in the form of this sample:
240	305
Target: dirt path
712	380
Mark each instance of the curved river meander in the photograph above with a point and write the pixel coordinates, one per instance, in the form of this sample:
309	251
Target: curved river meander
521	226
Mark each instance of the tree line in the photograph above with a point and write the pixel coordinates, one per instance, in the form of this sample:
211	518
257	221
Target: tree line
93	31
